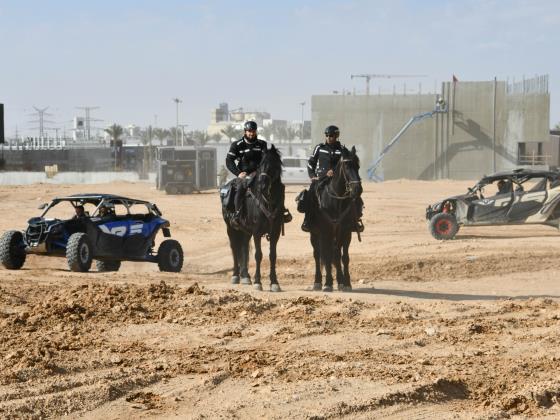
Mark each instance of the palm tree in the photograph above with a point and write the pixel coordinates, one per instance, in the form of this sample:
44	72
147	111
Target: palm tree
200	137
176	134
115	131
161	134
232	133
216	137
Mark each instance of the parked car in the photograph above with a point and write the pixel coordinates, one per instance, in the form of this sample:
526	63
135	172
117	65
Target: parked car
118	229
295	170
520	196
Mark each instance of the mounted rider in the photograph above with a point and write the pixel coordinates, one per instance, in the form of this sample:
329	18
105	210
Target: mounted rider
242	160
321	165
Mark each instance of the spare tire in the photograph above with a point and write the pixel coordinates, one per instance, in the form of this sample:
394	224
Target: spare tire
444	226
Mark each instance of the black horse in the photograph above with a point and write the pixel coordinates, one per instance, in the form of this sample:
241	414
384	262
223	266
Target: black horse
334	215
264	205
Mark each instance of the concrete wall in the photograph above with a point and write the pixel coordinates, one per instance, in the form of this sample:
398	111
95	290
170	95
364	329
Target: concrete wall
478	135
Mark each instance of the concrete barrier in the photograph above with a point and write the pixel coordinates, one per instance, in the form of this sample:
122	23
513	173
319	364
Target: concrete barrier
26	178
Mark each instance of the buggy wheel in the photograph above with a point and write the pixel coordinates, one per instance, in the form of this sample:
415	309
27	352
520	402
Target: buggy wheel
107	265
79	252
171	189
444	226
170	256
187	189
12	250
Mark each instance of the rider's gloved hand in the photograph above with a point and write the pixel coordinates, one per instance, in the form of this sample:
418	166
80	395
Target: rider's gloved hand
242	175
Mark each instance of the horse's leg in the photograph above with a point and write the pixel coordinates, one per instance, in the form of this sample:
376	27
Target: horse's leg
233	243
316	244
258	258
327	254
274	236
346	261
244	258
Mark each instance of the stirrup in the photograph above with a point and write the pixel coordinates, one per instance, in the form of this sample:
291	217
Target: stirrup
287	216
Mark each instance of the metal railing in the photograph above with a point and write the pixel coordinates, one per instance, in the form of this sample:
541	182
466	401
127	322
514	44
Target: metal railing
533	159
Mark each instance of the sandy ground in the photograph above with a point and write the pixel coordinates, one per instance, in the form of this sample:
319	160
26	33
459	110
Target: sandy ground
461	329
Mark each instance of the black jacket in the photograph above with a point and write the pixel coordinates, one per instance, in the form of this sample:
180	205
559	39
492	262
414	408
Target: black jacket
323	158
248	155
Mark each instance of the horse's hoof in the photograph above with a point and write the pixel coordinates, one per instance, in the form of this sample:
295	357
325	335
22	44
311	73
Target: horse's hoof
317	287
275	287
234	279
327	289
257	286
340	287
346	289
245	280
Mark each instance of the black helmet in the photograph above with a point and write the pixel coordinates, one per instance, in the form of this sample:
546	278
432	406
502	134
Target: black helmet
250	126
332	130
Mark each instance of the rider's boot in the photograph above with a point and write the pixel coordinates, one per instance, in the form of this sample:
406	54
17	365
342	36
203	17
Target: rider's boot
305	224
359	226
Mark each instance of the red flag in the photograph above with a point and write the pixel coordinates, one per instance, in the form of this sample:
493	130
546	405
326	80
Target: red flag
455	80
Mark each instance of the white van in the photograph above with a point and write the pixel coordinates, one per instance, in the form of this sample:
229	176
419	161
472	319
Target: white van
295	170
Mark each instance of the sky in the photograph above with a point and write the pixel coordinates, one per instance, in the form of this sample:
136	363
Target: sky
131	58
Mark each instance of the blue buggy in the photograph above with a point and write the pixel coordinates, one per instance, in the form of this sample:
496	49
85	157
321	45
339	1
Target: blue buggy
102	227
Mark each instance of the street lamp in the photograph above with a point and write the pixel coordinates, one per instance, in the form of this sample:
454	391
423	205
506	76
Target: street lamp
177	102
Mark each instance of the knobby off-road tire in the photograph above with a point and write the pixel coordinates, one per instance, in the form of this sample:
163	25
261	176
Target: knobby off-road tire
444	226
12	251
170	256
107	265
79	252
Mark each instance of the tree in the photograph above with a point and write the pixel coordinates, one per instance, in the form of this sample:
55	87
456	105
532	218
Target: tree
557	126
200	137
161	134
266	132
175	135
232	133
115	131
216	137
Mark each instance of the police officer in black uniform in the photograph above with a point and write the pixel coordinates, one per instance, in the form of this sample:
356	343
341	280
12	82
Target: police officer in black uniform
247	152
321	163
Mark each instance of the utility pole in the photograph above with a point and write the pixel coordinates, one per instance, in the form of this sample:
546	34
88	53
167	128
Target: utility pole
177	102
41	112
368	77
88	120
302	121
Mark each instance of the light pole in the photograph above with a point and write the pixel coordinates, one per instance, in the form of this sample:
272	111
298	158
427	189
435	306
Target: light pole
177	102
302	121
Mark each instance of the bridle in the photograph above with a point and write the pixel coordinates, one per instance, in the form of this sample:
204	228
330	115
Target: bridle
348	184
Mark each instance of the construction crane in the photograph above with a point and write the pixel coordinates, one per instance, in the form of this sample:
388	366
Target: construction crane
440	108
368	77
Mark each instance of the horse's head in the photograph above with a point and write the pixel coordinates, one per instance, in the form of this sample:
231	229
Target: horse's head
348	169
270	168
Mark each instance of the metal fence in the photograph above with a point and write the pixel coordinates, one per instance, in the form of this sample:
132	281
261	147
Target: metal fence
534	85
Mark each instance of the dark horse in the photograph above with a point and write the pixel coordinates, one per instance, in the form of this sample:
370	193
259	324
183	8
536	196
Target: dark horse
264	205
333	207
